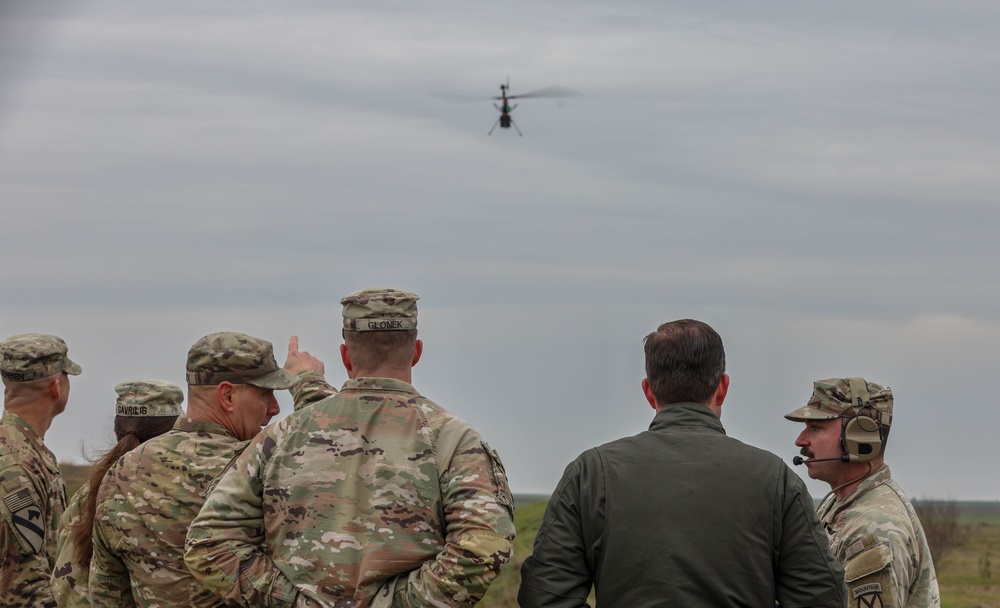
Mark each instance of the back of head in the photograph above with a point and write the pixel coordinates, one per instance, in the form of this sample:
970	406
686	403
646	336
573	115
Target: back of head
28	359
380	327
685	361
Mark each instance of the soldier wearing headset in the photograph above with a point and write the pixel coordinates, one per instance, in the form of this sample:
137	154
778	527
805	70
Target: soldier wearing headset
873	529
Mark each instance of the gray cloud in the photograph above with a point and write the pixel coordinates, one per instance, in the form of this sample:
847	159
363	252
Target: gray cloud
814	180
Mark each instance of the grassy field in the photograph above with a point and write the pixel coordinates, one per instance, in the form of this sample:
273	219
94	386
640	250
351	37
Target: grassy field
969	575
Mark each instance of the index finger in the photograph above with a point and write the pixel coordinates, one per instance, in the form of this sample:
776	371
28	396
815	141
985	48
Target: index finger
293	345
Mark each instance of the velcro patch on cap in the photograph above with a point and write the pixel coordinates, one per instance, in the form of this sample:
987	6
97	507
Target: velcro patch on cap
391	324
26	518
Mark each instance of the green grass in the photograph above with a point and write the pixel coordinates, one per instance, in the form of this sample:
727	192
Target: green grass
75	476
503	591
963	581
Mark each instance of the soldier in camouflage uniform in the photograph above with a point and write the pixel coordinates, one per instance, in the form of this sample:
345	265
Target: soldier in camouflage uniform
144	409
149	497
376	496
873	529
35	369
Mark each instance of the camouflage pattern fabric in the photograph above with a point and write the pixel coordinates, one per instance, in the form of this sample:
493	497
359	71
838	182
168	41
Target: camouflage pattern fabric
32	499
380	309
69	579
835	398
28	357
311	389
238	358
146	502
373	497
874	532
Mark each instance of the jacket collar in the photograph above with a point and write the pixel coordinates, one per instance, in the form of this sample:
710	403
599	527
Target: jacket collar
192	425
686	414
379	384
829	511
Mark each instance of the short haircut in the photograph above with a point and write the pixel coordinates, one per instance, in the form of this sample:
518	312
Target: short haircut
685	361
380	349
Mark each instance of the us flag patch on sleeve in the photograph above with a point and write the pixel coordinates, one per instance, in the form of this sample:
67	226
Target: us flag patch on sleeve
26	516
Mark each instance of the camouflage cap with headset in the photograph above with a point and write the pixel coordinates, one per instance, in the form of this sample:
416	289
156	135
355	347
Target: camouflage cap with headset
865	408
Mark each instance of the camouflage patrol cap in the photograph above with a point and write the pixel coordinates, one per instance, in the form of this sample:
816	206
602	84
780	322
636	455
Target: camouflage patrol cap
380	309
833	397
148	398
34	356
238	358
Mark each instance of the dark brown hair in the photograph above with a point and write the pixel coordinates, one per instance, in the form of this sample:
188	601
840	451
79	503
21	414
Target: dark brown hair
685	361
131	432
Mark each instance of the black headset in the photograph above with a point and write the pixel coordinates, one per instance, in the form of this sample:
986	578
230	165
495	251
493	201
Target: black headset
863	430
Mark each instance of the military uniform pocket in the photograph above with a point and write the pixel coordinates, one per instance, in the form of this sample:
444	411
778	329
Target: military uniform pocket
871	582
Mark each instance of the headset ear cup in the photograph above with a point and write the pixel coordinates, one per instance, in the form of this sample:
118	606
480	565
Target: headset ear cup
862	439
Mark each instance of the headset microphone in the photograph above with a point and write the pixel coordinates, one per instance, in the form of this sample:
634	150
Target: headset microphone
800	460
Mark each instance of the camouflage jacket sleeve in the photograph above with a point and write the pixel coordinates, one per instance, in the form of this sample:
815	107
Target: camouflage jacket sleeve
25	568
224	548
311	389
69	579
109	581
479	530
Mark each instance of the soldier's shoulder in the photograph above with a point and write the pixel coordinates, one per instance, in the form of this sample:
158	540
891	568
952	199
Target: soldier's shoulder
439	415
880	512
13	445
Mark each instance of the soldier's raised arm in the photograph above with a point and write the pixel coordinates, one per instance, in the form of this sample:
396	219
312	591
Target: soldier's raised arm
310	369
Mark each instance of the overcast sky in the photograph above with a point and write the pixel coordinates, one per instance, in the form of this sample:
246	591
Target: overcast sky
818	181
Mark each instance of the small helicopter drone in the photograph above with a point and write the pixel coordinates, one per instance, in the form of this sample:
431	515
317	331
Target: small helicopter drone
504	121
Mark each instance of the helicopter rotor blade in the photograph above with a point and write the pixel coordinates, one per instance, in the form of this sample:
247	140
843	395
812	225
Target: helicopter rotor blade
499	109
490	132
549	92
454	98
512	108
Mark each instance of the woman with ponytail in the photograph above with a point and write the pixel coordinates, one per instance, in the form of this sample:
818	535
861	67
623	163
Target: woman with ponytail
144	409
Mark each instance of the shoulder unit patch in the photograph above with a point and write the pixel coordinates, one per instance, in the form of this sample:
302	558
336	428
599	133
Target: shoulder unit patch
26	518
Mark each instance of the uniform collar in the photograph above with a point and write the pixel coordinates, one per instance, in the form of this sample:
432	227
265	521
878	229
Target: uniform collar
880	476
686	414
379	384
193	425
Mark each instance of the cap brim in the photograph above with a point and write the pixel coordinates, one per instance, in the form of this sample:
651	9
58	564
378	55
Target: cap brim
807	413
279	379
71	368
